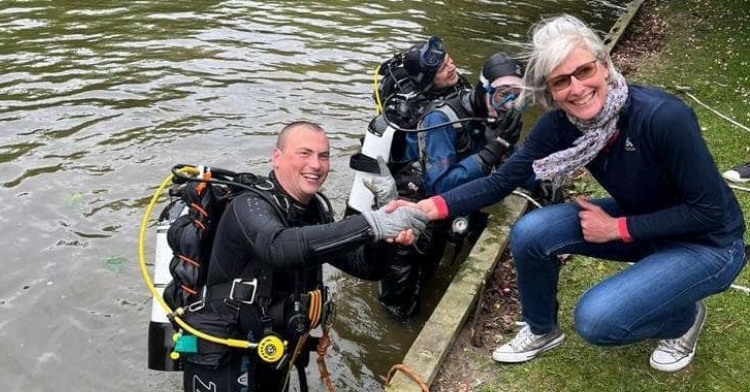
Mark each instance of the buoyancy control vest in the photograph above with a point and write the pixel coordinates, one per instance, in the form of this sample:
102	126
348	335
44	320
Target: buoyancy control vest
197	206
456	108
185	238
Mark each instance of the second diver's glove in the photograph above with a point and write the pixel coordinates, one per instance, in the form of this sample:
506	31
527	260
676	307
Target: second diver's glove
382	186
509	128
493	152
388	225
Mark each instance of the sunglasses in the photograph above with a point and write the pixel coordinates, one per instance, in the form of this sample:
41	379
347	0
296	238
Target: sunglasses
432	53
501	95
583	72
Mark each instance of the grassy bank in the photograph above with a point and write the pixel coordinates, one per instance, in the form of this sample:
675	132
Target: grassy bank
706	52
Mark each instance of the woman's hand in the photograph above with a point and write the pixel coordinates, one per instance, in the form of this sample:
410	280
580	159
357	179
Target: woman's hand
427	206
597	226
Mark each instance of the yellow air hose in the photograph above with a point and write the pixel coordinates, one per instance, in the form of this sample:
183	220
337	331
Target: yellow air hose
378	104
150	284
271	340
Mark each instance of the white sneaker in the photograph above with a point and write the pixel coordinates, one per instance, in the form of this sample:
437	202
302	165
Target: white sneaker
526	345
740	173
672	355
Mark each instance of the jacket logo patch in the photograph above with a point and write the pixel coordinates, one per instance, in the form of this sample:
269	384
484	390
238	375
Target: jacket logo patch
629	145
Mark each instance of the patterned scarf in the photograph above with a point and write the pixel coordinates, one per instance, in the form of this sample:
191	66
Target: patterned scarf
558	167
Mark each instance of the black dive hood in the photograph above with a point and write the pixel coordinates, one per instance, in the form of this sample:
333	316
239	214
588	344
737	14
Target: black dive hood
478	101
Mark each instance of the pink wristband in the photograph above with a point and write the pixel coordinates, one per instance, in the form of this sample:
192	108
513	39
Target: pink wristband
441	206
622	229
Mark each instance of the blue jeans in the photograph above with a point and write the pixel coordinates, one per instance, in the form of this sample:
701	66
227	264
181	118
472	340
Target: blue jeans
653	298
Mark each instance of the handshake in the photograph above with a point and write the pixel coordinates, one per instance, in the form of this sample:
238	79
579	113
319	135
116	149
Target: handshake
401	221
396	221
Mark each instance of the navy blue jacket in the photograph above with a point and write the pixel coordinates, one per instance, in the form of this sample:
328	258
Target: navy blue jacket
658	169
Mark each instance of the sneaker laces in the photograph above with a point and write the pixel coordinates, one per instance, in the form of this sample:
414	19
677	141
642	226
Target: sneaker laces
674	346
523	340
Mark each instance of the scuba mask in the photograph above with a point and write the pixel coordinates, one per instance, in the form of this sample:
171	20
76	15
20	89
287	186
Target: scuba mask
432	54
422	61
500	65
501	97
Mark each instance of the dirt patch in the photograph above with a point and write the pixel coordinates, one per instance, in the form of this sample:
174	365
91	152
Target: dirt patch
495	318
644	37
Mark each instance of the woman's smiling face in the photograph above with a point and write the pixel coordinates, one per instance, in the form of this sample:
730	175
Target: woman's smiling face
582	99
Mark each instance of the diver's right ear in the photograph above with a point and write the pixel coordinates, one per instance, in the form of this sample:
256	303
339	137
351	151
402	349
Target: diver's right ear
275	154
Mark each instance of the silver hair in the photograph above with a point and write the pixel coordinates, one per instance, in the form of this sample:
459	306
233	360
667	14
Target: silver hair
552	41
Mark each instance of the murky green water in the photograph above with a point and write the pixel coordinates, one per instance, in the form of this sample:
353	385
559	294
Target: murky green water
99	99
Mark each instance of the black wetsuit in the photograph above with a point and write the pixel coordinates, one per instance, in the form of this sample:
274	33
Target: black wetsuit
292	241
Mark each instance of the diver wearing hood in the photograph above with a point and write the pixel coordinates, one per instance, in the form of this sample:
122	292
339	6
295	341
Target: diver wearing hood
453	151
494	128
410	81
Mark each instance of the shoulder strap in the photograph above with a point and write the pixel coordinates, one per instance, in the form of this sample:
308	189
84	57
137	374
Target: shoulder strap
325	207
265	189
448	109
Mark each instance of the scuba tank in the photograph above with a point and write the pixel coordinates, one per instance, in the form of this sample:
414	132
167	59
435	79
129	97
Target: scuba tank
160	329
377	142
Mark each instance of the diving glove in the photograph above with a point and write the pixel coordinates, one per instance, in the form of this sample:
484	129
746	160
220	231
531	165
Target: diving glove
493	152
388	225
382	186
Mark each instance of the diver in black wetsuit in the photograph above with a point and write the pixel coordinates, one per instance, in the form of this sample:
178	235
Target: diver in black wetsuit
266	265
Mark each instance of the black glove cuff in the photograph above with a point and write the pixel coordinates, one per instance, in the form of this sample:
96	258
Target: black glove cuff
490	157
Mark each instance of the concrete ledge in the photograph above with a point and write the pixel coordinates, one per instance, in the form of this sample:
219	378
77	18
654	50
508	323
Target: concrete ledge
441	329
618	29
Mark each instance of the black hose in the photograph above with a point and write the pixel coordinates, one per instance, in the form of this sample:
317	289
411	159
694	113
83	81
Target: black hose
228	175
415	130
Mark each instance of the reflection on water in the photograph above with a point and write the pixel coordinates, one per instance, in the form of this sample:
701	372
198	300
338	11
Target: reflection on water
98	101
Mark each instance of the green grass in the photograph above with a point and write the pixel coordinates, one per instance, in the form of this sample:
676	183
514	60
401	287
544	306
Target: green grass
720	363
707	49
